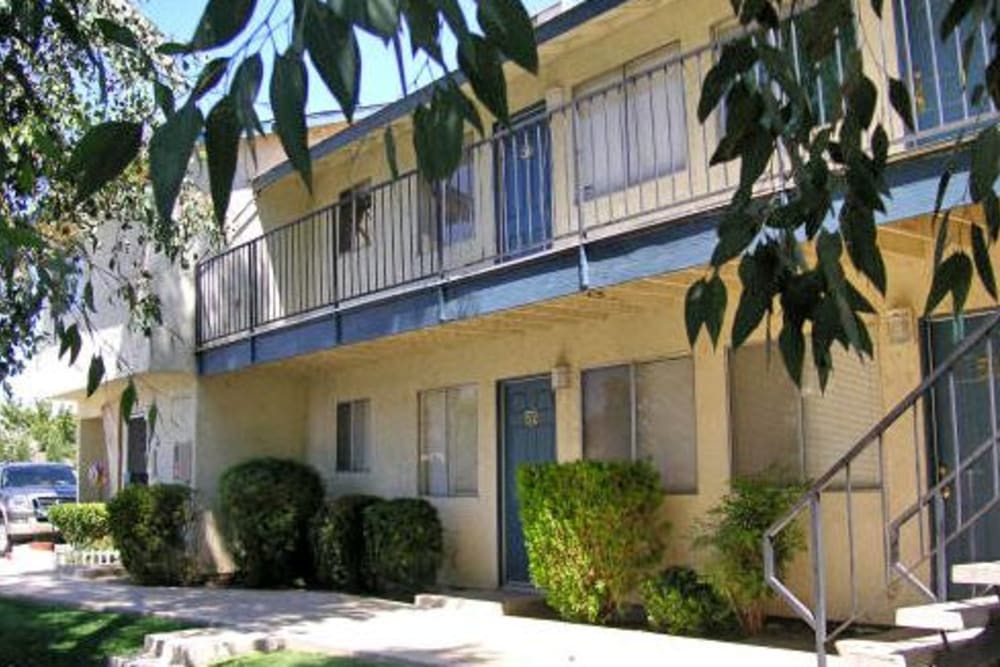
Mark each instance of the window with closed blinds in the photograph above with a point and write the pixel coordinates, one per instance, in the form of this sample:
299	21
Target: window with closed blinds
353	436
644	411
631	124
781	431
449	442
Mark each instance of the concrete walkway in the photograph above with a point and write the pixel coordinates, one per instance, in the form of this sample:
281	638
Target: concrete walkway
343	624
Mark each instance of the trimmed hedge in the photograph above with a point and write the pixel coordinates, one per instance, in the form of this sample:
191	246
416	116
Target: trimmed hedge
403	545
338	542
679	602
150	526
82	525
267	505
591	532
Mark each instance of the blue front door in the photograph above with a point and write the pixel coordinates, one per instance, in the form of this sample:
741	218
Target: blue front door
960	425
524	195
529	436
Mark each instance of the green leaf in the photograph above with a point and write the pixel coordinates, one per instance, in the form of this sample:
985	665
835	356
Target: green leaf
379	17
957	11
222	143
88	296
102	154
861	98
170	153
694	310
209	77
481	63
737	57
152	417
508	25
70	341
128	400
117	33
95	373
985	165
714	308
991	207
954	276
792	344
438	135
749	313
860	237
981	257
333	49
899	97
173	49
221	21
390	152
164	97
289	93
244	90
425	27
877	7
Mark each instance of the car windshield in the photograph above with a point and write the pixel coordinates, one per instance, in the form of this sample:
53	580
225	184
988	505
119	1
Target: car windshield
40	476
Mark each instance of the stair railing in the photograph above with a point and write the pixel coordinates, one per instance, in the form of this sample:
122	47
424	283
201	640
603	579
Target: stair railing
927	506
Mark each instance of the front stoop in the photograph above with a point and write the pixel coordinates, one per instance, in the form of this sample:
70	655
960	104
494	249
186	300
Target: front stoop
485	603
198	648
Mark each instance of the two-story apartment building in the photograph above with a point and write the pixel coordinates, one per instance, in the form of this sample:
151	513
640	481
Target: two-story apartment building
425	339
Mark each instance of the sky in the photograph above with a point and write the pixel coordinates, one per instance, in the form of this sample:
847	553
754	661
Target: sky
380	82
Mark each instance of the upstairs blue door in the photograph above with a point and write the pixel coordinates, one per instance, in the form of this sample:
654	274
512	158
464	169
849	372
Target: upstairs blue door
529	436
524	195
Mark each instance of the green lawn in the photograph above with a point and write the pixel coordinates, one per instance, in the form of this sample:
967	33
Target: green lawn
288	659
33	635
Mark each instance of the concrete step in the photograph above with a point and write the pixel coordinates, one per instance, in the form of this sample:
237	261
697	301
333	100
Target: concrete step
908	648
483	603
977	574
951	615
199	648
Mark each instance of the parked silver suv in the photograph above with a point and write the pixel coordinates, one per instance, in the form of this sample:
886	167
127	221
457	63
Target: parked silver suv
27	491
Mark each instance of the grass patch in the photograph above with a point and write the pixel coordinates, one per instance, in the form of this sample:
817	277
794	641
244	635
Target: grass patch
35	635
290	659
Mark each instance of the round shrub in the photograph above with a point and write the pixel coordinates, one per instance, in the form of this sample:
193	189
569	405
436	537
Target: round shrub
592	533
82	525
150	526
403	545
678	602
267	505
338	543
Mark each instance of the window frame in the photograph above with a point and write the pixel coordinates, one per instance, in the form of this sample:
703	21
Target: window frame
352	468
424	491
357	237
632	365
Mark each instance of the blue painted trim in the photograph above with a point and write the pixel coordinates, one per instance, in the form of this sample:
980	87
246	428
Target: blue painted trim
226	358
558	25
312	336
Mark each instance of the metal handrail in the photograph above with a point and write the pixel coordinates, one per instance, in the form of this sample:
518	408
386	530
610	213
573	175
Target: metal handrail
812	497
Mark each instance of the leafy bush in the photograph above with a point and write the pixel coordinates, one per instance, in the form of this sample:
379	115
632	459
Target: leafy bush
82	525
338	542
267	507
403	545
680	603
591	532
734	533
150	526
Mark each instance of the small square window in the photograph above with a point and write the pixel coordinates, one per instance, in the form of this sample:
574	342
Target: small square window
354	436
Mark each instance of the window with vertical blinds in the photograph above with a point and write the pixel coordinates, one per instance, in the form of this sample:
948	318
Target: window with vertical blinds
779	430
644	411
449	442
630	124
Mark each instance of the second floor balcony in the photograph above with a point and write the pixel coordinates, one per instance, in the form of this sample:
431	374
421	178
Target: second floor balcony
621	152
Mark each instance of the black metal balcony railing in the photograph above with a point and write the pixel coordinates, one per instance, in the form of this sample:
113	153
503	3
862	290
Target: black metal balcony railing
621	154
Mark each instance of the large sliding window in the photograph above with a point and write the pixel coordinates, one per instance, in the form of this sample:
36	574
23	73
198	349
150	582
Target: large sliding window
452	204
449	442
644	411
630	124
780	431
